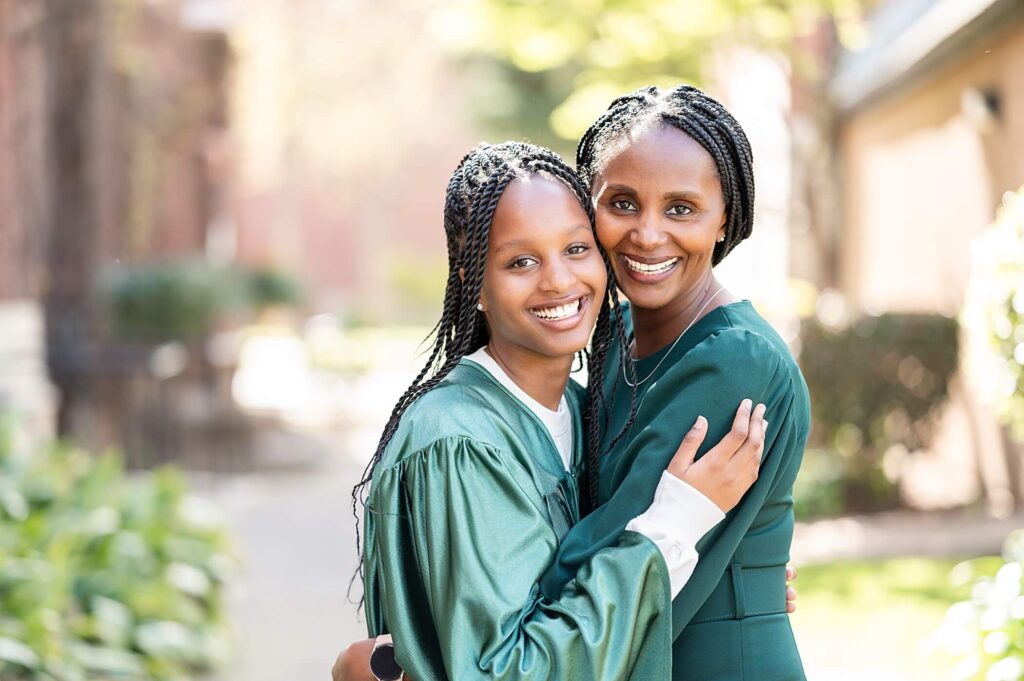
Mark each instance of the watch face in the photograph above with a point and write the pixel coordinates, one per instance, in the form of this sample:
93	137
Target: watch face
383	665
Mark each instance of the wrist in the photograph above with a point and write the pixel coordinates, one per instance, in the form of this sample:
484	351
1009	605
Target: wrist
383	665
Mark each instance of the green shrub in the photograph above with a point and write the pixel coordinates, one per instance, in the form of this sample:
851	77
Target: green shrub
874	387
986	632
102	576
272	287
180	300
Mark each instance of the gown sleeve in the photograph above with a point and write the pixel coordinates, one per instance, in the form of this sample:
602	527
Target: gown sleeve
461	542
710	380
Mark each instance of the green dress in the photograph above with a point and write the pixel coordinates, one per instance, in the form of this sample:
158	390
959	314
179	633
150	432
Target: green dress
464	515
730	620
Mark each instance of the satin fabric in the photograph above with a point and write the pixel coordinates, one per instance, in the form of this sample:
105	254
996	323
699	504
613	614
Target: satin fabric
465	513
732	353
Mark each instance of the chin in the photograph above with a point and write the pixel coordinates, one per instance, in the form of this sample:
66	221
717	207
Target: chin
562	349
647	297
566	346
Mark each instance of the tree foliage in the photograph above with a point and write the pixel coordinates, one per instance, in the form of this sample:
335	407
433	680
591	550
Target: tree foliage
554	66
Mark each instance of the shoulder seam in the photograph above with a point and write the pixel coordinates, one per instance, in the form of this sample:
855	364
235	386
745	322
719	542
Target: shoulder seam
420	451
742	331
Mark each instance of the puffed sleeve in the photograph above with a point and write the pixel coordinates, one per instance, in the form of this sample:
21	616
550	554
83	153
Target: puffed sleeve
461	542
710	380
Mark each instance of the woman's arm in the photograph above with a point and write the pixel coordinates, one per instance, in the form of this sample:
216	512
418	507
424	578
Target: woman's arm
353	663
461	543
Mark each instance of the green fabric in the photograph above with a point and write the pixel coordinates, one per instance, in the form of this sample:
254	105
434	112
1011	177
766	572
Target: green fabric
465	513
730	354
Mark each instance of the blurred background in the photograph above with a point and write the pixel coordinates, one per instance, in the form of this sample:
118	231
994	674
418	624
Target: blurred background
221	247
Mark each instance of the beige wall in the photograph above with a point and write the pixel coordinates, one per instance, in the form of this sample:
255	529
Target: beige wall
920	179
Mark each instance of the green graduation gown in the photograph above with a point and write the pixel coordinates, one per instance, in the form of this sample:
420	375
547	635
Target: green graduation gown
465	513
730	620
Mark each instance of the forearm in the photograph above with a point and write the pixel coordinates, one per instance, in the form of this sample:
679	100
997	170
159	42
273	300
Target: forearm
610	622
674	499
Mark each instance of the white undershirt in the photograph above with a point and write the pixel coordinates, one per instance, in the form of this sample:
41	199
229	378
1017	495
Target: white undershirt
677	518
558	422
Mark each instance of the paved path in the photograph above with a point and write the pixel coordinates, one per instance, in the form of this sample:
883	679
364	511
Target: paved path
295	533
954	534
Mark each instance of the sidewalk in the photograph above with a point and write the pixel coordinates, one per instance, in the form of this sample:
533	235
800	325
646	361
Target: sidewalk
953	534
294	530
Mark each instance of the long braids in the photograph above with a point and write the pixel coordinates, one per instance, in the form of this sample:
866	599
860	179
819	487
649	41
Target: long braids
700	116
471	199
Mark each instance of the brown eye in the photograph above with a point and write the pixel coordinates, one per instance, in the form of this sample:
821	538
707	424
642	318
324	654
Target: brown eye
520	263
577	249
680	210
622	204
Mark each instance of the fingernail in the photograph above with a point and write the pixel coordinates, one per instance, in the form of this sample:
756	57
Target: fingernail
765	426
700	423
747	404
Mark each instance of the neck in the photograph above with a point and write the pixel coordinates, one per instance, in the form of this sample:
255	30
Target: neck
542	378
654	329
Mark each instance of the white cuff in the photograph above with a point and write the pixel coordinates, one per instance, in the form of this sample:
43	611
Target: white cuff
675	521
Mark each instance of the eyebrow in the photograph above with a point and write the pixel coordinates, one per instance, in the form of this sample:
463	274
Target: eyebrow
519	243
626	189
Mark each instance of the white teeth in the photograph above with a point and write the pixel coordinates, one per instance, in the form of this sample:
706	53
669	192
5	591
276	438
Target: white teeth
560	312
656	268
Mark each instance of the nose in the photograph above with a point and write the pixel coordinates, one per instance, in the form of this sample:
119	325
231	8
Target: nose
647	234
559	276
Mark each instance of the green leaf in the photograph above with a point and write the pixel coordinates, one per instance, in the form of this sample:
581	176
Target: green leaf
114	661
13	502
113	620
166	639
16	652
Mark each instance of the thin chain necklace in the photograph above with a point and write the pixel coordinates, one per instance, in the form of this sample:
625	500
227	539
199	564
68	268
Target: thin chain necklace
676	341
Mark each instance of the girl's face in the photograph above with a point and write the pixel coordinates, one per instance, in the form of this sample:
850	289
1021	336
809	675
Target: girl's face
660	211
544	279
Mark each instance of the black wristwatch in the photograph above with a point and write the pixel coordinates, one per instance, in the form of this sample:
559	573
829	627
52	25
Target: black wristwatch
382	660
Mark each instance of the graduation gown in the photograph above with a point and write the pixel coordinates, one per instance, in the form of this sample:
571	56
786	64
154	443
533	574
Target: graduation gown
465	512
730	620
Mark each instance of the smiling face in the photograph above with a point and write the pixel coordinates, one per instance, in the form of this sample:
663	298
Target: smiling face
660	211
544	278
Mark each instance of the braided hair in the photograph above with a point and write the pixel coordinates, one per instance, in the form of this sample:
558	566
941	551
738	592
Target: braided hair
470	202
693	112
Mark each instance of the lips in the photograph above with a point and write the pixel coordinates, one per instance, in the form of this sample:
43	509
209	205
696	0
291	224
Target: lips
655	267
563	315
559	311
648	270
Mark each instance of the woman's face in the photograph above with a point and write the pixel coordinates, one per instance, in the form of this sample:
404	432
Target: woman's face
660	211
544	279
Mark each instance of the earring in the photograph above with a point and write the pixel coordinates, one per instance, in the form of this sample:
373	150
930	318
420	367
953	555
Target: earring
480	306
721	238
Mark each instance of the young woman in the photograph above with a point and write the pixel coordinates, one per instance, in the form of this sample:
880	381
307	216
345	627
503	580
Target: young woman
476	478
672	178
